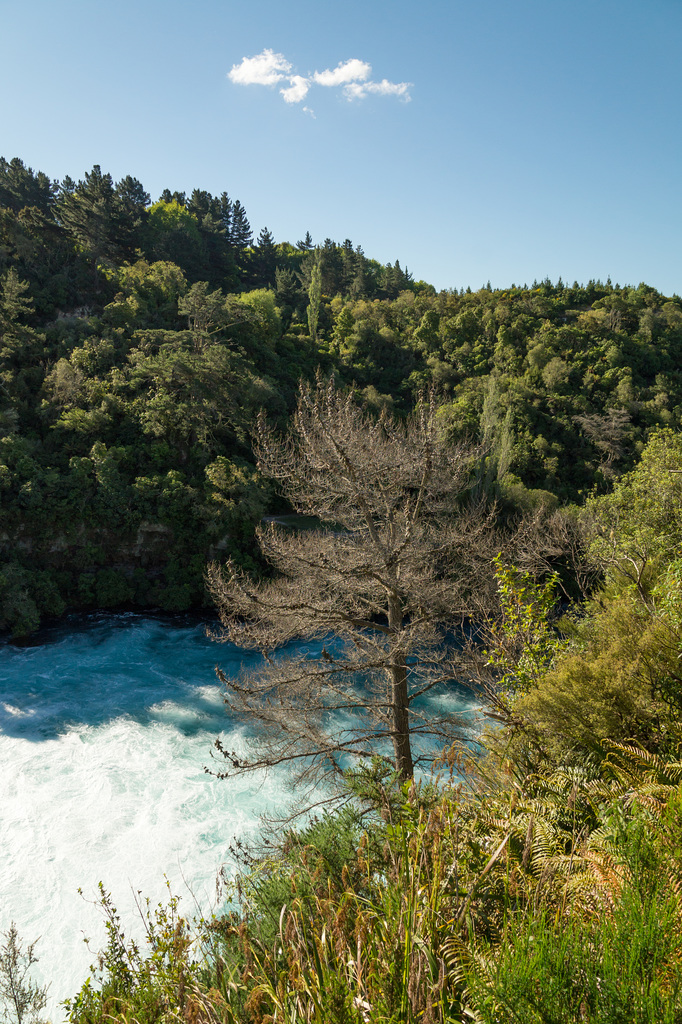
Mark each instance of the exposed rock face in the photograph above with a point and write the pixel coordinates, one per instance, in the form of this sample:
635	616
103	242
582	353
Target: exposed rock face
152	542
150	545
215	550
79	313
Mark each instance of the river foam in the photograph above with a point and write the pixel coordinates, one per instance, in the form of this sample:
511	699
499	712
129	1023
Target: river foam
105	730
106	725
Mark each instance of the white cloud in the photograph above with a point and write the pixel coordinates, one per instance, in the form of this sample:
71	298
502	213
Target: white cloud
297	90
267	68
347	71
352	76
358	90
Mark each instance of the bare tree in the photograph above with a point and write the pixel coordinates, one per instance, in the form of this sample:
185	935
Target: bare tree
402	554
608	434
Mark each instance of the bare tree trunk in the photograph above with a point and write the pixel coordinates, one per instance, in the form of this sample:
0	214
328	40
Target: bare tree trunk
400	725
402	551
398	698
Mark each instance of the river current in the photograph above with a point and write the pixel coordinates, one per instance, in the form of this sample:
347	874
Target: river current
106	725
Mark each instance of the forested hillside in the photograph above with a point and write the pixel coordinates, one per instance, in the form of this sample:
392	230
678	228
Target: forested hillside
138	339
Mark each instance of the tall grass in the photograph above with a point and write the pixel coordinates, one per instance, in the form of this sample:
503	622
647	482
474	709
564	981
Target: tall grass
554	898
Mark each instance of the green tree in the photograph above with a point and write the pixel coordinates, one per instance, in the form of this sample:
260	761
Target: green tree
241	238
260	308
21	187
148	296
205	311
265	259
20	345
306	244
133	200
637	529
92	213
314	296
343	326
241	235
172	234
214	216
287	292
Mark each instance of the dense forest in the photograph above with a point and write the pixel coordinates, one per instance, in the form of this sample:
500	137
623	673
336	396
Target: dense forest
138	340
539	878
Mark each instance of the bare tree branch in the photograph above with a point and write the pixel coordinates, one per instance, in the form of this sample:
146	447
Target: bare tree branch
402	555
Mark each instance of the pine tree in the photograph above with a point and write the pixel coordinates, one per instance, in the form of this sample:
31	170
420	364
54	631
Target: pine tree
314	296
132	194
224	204
332	268
307	243
241	236
358	287
265	259
133	201
93	215
241	239
200	203
21	187
348	262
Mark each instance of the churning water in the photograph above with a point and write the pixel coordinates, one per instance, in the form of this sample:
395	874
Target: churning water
104	732
105	728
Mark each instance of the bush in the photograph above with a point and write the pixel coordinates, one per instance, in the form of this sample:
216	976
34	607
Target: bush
112	588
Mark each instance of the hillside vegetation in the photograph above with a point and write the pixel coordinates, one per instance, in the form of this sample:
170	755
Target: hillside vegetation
139	339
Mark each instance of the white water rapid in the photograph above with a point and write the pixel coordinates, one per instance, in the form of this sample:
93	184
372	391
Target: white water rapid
105	727
104	732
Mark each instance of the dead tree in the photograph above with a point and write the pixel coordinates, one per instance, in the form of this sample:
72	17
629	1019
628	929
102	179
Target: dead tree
402	553
608	434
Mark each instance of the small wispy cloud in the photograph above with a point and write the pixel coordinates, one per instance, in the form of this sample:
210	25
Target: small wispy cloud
358	90
348	71
351	76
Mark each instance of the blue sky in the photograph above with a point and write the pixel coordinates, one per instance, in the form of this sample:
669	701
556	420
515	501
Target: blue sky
539	139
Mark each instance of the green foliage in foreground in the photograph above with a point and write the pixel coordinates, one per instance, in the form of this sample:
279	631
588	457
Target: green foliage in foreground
552	898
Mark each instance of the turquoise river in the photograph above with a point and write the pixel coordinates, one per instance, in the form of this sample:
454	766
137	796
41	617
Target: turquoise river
106	724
